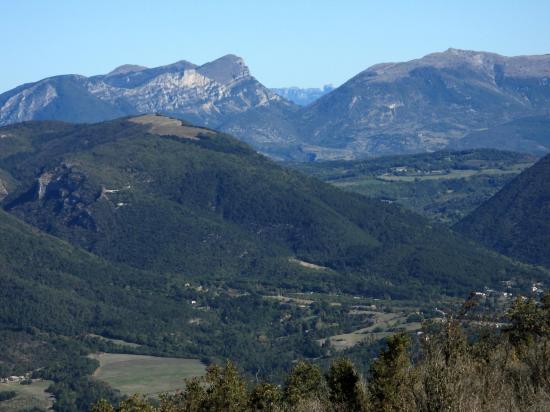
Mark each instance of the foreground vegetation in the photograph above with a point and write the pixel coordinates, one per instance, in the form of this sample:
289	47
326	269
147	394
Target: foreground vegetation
449	367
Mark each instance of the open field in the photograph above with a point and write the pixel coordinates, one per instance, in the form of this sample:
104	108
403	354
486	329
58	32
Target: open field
453	174
383	326
145	375
28	396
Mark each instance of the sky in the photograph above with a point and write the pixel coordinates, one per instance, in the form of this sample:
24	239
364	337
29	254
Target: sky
285	43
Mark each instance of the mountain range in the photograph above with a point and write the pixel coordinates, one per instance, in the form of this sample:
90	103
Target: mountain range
428	103
422	105
220	94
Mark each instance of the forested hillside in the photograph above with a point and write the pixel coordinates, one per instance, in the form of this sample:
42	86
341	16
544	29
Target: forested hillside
157	195
516	221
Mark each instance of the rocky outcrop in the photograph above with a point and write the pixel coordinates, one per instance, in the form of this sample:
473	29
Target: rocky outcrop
64	191
303	97
3	190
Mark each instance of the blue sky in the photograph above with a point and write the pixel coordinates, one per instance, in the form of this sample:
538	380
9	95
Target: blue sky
285	43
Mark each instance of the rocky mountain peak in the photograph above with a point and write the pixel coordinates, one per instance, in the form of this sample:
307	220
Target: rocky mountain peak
225	69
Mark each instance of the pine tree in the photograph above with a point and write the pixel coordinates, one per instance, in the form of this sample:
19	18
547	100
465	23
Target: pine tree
345	386
389	386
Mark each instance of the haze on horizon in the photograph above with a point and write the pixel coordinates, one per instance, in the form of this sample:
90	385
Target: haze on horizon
285	44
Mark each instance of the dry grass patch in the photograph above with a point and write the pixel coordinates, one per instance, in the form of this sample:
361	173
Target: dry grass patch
167	126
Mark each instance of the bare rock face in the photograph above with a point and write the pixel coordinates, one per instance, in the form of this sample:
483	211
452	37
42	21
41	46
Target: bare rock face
3	190
64	191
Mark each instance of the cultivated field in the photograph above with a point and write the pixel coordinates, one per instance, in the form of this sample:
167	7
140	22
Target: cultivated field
453	174
28	396
145	375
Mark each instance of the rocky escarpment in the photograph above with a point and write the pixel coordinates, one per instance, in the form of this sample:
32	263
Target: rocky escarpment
3	190
64	191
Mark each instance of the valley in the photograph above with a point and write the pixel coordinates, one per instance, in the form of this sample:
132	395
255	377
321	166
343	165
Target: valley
186	237
443	186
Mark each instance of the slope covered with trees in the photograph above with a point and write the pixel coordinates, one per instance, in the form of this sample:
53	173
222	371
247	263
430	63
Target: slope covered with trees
516	221
192	201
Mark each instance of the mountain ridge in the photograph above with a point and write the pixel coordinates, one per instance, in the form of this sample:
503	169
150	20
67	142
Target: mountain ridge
425	104
215	94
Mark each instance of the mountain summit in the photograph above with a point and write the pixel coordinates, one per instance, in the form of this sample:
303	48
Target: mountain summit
126	68
225	69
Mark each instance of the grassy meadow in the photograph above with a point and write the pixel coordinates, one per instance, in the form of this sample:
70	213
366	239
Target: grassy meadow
145	375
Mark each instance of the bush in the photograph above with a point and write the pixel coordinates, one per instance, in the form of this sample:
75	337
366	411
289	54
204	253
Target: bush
7	395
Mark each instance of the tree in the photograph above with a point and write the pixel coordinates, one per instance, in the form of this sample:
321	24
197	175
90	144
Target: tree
345	387
265	397
103	405
305	382
226	389
390	387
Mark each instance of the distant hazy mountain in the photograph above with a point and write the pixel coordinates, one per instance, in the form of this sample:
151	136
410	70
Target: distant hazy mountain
302	97
391	108
215	94
516	221
425	104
